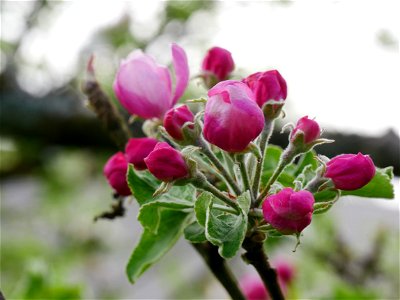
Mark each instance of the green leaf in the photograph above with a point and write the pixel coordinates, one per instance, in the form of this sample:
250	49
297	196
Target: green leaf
272	157
185	192
201	206
325	196
379	187
142	185
195	233
285	179
152	247
307	160
150	213
227	231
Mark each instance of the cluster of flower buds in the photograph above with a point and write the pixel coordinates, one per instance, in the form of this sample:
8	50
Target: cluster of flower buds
235	115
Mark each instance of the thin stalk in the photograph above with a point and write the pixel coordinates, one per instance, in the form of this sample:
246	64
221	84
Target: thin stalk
286	158
265	135
201	182
256	256
245	176
209	168
219	268
224	208
207	151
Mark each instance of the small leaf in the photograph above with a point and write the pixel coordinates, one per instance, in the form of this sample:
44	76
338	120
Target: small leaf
195	233
379	187
152	247
142	185
307	160
185	192
272	157
150	213
227	231
201	206
325	196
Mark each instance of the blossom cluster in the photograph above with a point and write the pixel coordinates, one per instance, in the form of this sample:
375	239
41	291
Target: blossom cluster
235	115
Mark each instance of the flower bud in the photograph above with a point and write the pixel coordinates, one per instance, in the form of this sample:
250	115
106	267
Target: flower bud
174	120
285	271
166	163
289	211
267	86
253	288
308	128
217	65
137	149
232	118
350	171
115	171
144	87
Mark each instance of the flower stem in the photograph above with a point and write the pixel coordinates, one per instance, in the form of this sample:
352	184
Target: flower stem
245	176
256	256
286	158
201	182
265	135
207	151
219	268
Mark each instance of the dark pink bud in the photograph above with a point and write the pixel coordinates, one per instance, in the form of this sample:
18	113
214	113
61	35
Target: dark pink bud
137	149
253	288
267	86
166	163
218	62
286	272
309	128
289	211
174	120
232	118
350	171
115	171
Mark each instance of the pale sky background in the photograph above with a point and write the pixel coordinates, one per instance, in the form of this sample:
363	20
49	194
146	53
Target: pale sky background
328	51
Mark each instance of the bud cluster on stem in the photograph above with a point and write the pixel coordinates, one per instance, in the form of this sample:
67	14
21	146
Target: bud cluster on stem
222	149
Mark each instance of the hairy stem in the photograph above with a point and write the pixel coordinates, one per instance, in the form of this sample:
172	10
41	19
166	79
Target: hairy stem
265	135
201	182
256	256
245	176
286	158
207	151
219	268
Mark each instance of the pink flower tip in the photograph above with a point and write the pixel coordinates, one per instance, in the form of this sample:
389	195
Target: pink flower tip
288	211
166	163
115	171
350	171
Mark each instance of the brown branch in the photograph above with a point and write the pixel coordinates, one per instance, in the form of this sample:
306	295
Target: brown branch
105	110
256	256
219	268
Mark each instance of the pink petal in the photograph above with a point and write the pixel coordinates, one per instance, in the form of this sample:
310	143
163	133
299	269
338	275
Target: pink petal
181	68
142	86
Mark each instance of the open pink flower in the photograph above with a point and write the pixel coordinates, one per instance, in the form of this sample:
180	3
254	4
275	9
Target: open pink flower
115	171
350	171
289	211
267	86
232	117
166	163
144	87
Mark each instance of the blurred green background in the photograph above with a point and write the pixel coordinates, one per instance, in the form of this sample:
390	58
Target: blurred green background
53	149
